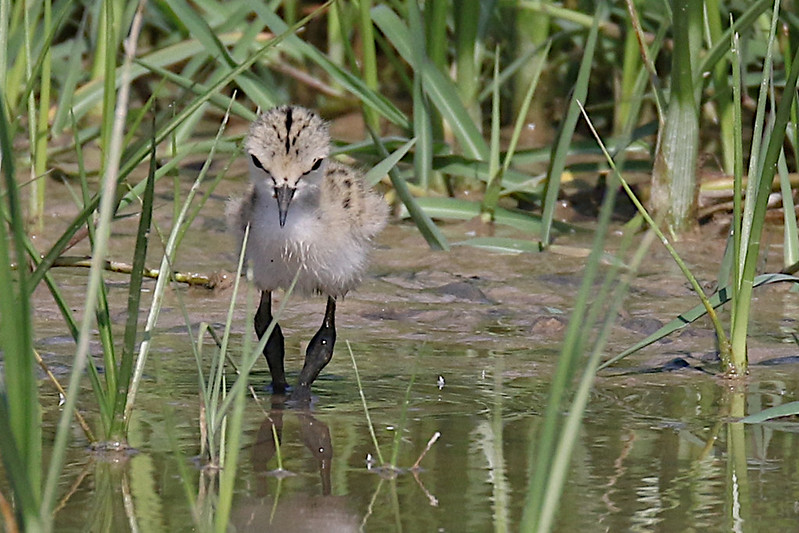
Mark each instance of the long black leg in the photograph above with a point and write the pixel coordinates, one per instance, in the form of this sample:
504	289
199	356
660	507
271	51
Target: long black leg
319	353
273	350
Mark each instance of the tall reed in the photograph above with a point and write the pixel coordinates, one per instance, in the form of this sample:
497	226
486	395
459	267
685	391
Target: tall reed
20	417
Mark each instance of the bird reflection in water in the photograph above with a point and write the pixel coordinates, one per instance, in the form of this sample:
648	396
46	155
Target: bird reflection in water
297	510
314	433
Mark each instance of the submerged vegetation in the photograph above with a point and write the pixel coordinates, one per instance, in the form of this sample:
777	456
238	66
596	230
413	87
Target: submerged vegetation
110	98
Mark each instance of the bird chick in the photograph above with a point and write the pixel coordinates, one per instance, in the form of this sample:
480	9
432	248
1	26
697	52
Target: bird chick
307	214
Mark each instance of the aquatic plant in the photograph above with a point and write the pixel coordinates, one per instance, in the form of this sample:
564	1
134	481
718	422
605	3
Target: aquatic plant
72	79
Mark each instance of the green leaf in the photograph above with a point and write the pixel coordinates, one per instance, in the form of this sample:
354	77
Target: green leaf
558	161
457	209
376	173
198	28
513	180
502	245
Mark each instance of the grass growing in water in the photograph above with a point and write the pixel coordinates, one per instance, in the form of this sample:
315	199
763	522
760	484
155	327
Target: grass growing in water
194	53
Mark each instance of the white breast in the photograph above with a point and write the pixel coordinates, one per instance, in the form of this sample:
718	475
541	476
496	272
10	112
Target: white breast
330	259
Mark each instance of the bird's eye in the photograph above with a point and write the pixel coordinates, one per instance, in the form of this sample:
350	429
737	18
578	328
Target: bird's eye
315	166
256	162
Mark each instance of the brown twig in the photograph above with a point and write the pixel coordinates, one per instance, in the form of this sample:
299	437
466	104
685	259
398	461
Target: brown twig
212	281
430	443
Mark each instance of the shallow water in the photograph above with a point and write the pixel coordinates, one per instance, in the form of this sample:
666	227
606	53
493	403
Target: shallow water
479	334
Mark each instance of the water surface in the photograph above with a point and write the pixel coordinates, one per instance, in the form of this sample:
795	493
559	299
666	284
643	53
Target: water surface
479	335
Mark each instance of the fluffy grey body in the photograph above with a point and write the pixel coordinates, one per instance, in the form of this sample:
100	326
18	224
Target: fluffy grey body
306	214
327	234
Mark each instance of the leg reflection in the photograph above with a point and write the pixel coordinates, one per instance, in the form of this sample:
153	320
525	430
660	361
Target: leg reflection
314	433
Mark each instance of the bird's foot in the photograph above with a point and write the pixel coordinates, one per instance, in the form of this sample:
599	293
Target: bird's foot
300	396
280	388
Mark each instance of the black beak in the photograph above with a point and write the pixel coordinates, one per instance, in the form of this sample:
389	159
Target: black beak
284	194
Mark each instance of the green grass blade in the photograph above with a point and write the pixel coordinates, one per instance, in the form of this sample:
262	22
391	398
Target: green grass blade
369	58
134	293
378	171
422	125
540	55
4	48
109	83
441	90
36	71
501	245
673	198
755	219
106	389
87	95
71	82
571	428
466	15
219	101
352	83
42	127
722	89
229	471
717	52
757	140
18	384
458	209
170	250
579	93
199	28
494	185
365	408
561	380
695	313
790	244
427	227
731	264
14	462
786	409
443	93
98	256
513	180
721	337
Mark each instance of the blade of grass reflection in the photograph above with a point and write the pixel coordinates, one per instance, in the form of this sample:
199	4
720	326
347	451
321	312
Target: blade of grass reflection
365	407
499	481
738	492
395	446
